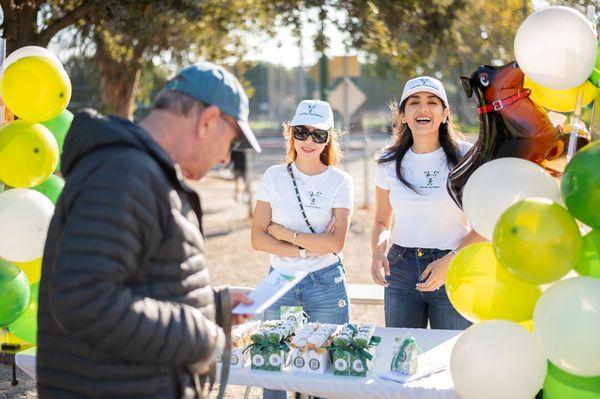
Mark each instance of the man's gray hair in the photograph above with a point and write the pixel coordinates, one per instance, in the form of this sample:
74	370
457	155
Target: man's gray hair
176	102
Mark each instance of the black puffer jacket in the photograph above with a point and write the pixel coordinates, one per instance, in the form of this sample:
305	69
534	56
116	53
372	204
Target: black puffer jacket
125	299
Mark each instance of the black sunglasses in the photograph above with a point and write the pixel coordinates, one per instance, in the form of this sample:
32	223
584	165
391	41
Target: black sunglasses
301	133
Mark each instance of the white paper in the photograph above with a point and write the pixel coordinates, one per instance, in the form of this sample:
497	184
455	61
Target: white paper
269	290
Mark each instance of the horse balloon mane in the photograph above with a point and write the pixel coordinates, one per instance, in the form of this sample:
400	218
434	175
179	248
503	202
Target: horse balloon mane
510	125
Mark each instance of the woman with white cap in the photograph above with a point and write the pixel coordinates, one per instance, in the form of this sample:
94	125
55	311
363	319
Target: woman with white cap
302	216
428	226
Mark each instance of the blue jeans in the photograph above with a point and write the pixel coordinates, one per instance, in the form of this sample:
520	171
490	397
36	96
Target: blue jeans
404	305
323	296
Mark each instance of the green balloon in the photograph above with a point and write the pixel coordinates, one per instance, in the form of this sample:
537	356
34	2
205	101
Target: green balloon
25	327
595	76
14	292
589	262
537	240
562	385
51	188
581	185
59	127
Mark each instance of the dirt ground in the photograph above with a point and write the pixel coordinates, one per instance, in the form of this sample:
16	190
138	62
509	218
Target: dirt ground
233	262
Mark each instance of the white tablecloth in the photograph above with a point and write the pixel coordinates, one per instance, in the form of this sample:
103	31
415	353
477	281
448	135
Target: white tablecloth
25	360
435	386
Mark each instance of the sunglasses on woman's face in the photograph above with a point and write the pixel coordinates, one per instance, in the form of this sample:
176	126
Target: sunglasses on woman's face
301	133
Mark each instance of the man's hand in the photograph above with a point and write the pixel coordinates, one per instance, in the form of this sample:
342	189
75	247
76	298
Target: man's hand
434	274
237	298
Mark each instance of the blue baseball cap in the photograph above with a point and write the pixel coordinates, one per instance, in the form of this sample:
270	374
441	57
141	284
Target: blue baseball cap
212	84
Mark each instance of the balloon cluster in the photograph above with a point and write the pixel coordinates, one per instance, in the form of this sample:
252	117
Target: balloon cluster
534	328
36	89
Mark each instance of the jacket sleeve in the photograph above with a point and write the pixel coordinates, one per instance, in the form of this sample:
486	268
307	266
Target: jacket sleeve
106	232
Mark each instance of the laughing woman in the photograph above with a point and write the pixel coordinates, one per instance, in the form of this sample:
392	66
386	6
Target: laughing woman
302	217
428	226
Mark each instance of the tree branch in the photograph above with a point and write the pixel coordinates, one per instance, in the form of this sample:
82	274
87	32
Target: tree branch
66	20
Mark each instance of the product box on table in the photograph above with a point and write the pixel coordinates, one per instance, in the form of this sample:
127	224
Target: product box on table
317	361
269	357
341	359
361	365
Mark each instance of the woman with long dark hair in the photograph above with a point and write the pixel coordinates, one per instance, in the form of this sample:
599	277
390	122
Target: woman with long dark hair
428	227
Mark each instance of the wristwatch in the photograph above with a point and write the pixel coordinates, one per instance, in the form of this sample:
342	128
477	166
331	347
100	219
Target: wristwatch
302	252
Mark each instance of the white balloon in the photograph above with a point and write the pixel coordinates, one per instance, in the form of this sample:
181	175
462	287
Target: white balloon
498	184
24	219
29	51
556	47
566	323
497	359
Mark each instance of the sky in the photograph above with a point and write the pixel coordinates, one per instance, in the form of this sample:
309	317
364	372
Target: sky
283	49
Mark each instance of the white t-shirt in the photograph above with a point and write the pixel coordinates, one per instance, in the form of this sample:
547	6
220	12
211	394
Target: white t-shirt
319	193
429	218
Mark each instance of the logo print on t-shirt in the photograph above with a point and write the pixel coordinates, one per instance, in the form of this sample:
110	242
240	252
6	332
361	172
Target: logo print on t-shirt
314	196
431	175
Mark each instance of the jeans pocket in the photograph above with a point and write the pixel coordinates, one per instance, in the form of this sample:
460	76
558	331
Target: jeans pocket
330	276
395	253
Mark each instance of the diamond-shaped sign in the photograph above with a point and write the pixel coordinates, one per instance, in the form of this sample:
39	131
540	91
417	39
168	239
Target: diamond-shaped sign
355	97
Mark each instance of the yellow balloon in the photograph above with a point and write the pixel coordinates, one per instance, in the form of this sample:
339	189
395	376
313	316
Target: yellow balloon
528	325
560	100
35	88
481	289
537	240
32	269
28	154
7	337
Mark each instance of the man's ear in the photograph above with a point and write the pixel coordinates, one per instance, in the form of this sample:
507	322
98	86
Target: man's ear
207	117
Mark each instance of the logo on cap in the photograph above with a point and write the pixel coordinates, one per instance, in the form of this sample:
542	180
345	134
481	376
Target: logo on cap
311	111
426	83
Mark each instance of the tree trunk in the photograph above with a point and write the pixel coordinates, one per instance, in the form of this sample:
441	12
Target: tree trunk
21	22
119	79
20	26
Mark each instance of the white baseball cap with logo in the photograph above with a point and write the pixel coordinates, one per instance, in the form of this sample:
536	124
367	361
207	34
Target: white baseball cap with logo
426	84
315	113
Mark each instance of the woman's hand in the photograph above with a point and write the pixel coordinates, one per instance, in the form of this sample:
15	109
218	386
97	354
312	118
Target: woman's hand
280	233
434	275
380	267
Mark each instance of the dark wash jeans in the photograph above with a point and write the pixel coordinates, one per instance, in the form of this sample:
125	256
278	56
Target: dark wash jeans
407	307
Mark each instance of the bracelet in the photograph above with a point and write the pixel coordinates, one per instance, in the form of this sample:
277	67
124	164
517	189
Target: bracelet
453	252
294	239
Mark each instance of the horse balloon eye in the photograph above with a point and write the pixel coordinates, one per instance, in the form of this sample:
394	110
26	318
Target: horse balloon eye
484	80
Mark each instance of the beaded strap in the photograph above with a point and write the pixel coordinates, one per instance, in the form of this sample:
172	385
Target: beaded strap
289	168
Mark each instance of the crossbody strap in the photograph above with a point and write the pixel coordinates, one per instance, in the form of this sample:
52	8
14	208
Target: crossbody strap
291	172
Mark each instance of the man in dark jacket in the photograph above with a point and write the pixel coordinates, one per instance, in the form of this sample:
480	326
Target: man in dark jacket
126	308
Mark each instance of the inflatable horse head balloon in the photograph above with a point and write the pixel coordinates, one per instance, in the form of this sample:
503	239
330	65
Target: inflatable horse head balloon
511	124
